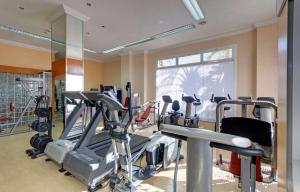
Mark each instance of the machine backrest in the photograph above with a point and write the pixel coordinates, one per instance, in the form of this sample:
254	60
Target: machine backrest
256	130
175	106
126	102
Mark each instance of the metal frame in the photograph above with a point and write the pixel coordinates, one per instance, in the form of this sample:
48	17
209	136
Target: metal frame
20	94
219	114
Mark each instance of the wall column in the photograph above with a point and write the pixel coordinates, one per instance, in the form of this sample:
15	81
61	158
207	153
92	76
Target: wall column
67	50
267	63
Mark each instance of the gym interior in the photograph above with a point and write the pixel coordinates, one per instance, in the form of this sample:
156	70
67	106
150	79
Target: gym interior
139	95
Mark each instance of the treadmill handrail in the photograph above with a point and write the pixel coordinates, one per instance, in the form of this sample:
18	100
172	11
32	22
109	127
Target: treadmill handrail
204	134
73	95
110	102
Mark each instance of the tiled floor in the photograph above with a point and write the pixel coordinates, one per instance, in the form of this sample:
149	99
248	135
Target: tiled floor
20	173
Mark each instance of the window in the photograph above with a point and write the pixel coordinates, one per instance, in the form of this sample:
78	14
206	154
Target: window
189	59
218	55
166	63
191	75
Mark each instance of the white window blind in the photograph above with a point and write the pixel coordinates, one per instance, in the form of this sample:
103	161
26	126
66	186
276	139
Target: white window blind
202	79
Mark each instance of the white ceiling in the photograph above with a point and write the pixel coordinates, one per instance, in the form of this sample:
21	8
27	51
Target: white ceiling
130	20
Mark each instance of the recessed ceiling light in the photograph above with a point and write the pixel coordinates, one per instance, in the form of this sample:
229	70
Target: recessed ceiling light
89	4
21	8
161	22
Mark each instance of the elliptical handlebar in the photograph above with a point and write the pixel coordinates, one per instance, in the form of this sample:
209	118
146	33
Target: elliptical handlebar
197	99
218	99
212	98
128	89
229	97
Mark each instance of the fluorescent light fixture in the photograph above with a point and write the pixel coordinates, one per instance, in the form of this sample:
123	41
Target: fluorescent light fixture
153	37
113	49
174	31
194	9
127	45
89	50
25	33
10	29
138	42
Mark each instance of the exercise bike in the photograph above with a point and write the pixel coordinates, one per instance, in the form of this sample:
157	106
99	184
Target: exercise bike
189	119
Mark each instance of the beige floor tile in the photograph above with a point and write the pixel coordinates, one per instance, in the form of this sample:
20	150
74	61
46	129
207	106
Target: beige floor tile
19	173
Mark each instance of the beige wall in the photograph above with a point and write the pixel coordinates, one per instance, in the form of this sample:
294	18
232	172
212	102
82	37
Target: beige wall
112	72
256	60
282	100
246	61
15	56
11	55
267	63
138	75
256	51
93	75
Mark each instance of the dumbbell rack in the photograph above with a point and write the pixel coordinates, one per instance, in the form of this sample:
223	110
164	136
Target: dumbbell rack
13	100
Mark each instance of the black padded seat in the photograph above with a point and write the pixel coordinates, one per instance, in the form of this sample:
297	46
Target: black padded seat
175	106
256	130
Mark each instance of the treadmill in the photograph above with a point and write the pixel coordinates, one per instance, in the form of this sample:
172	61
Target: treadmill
57	150
92	161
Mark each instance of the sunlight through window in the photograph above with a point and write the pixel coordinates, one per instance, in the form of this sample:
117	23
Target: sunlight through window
200	78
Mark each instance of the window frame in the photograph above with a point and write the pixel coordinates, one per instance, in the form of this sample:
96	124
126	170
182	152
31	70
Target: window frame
176	61
202	62
200	54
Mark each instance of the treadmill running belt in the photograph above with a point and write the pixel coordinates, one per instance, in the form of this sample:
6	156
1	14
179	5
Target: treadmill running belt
104	135
137	142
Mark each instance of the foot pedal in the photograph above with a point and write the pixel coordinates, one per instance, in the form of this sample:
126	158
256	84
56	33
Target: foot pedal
33	156
61	170
68	174
181	157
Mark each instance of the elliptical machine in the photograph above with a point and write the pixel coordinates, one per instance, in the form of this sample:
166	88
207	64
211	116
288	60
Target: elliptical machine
43	125
160	150
171	117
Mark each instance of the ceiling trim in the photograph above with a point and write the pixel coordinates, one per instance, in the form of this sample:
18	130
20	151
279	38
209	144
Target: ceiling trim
62	9
70	11
267	22
209	38
92	59
23	45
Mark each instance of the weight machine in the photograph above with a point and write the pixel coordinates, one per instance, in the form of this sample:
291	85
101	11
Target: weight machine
17	105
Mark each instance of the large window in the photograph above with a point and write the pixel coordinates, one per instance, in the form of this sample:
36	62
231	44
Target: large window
205	73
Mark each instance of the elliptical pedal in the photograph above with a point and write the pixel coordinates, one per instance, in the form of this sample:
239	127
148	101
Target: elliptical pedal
68	174
61	170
